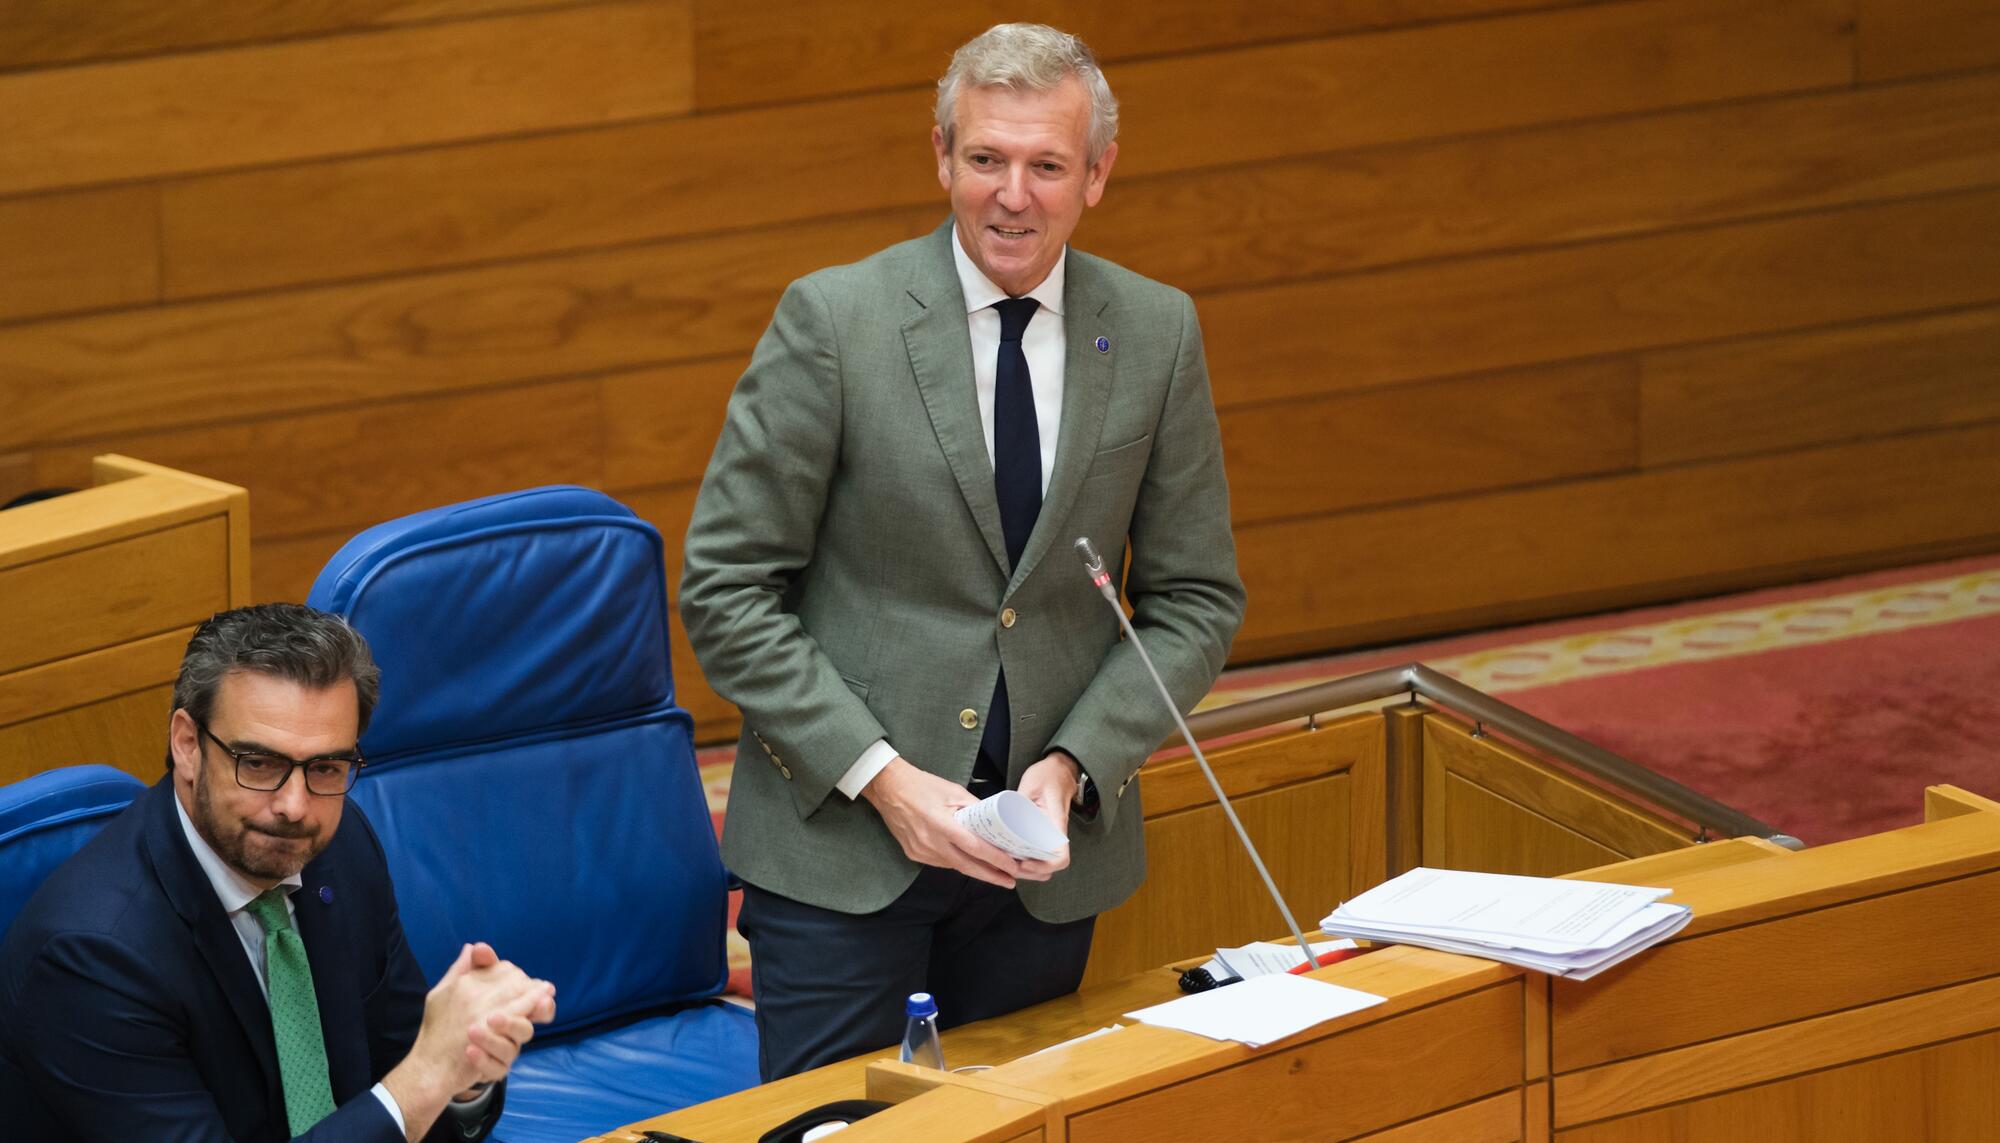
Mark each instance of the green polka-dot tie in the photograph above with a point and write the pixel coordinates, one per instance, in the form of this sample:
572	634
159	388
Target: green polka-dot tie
294	1015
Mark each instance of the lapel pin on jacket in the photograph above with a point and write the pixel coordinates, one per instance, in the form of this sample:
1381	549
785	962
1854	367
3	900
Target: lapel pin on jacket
326	894
1103	345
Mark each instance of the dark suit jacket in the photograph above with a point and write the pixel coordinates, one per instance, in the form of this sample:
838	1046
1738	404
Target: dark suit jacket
127	1003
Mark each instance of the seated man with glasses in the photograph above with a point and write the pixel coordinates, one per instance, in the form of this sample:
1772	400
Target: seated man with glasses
224	961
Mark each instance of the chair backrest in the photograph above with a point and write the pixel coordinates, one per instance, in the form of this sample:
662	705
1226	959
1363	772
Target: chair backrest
48	816
44	819
530	776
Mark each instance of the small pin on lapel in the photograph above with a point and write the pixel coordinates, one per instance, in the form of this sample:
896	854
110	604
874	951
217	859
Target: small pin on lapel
326	894
1103	345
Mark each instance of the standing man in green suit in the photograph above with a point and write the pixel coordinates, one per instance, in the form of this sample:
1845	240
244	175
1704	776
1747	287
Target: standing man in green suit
879	576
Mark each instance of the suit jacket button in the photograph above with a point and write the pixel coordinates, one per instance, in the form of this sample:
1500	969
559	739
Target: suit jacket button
1007	617
968	718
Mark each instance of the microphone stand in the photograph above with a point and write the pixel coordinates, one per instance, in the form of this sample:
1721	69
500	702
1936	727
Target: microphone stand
1100	579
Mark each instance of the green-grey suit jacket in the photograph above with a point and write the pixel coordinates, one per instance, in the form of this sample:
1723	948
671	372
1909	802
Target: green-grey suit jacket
846	574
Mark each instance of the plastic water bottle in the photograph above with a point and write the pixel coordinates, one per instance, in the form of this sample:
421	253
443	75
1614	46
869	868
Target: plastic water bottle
920	1034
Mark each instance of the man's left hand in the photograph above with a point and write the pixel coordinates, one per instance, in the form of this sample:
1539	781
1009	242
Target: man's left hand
1051	784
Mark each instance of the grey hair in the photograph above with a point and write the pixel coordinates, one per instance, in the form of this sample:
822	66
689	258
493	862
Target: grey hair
290	641
1028	57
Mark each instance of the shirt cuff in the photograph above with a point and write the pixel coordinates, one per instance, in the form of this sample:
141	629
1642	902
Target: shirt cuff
395	1113
872	761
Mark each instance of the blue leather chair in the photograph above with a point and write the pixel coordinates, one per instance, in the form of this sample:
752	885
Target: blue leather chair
44	819
534	785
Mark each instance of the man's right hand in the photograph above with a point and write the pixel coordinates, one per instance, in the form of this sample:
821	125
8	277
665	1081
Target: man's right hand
918	806
475	1021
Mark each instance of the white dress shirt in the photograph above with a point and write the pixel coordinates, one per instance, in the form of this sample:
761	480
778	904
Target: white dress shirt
236	892
1044	343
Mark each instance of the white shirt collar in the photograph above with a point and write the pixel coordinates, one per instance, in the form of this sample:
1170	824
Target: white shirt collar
232	888
980	292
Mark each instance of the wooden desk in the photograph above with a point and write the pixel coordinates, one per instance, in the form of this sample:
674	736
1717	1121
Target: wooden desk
101	590
1848	994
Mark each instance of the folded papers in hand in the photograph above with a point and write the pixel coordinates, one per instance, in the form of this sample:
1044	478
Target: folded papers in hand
1010	821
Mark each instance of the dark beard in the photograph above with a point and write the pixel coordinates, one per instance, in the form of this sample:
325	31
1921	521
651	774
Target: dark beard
233	848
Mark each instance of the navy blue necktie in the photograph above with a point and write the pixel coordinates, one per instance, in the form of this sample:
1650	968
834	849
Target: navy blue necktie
1017	481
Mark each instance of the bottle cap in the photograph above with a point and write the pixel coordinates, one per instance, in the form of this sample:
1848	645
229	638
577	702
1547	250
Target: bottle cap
921	1004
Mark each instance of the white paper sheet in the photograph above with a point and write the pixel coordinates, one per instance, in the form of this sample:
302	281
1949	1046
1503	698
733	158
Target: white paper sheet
1258	1011
1259	958
1014	824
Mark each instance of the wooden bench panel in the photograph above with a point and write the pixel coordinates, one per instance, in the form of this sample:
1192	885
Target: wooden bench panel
1738	980
127	593
1861	1103
1335	1087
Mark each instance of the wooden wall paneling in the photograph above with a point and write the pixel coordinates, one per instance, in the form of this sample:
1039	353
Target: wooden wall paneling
511	198
1307	216
1511	309
1898	38
1505	557
81	251
1479	75
348	468
661	424
300	99
1861	1103
1700	1070
1738	980
804	49
1335	1087
17	475
257	356
1309	455
668	509
128	593
285	569
1819	387
42	32
508	198
127	731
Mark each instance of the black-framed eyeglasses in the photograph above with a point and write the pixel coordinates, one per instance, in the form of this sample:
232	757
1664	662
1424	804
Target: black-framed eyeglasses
266	773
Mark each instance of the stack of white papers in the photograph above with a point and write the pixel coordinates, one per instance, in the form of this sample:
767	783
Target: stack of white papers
1258	1011
1575	929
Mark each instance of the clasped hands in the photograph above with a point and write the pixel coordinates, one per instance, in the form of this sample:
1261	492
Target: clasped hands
918	808
476	1020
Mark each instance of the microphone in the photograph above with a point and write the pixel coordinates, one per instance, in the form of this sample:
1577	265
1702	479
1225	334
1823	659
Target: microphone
1093	563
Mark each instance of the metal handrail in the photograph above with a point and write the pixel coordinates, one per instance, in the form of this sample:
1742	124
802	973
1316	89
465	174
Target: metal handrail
1708	815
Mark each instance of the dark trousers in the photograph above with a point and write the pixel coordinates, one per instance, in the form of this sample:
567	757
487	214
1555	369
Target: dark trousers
831	985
